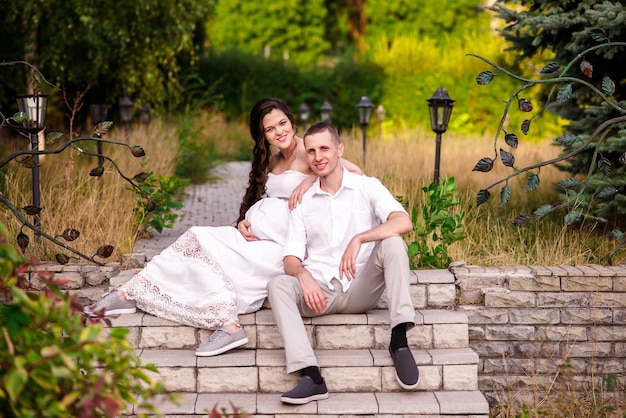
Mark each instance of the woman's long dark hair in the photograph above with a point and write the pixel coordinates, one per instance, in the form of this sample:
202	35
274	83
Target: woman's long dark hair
261	152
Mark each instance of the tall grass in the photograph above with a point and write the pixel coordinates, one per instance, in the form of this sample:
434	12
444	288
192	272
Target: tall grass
404	161
100	208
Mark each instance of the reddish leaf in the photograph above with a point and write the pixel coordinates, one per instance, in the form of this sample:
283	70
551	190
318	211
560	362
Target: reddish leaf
70	234
97	172
511	140
105	251
485	165
53	137
524	105
27	162
22	241
32	210
586	68
525	127
61	258
214	412
508	159
102	128
141	177
137	151
522	220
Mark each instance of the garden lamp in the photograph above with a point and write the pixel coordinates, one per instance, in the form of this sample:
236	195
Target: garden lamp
304	115
146	114
35	106
440	106
365	113
126	113
326	109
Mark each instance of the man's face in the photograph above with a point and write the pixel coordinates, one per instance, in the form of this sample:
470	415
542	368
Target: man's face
323	153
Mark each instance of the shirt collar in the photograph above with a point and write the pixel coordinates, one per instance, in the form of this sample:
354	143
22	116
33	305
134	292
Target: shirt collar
348	181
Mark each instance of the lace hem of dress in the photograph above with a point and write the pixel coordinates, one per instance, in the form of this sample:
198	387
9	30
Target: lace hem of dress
189	246
151	299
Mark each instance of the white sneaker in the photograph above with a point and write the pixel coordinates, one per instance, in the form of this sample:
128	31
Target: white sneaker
221	341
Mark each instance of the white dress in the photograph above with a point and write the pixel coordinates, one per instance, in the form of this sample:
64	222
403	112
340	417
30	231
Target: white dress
210	275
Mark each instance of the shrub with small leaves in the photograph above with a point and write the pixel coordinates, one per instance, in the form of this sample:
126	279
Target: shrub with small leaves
437	228
162	192
57	362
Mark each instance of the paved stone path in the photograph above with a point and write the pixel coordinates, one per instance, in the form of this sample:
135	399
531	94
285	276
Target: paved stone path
214	203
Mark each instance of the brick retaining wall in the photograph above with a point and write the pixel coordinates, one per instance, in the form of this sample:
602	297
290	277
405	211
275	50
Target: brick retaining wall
543	327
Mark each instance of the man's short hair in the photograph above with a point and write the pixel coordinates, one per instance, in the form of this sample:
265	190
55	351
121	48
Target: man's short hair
320	127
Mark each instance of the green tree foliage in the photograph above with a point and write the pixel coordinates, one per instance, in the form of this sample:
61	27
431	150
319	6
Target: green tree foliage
564	29
121	48
433	19
294	29
234	74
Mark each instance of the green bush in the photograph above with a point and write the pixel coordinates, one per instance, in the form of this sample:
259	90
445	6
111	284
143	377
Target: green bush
53	365
197	155
160	212
437	228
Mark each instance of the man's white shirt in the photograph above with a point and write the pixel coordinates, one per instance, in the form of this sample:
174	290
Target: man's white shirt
321	227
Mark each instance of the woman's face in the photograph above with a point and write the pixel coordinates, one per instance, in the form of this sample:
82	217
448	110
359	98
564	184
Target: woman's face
278	129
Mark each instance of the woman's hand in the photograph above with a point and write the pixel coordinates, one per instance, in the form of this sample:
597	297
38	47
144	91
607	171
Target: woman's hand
296	196
244	227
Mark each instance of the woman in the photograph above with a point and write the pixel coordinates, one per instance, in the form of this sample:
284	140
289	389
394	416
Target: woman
210	275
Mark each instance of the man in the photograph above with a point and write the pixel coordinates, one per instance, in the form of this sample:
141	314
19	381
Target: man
350	258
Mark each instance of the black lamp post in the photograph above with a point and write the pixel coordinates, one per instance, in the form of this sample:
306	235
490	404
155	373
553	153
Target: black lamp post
35	108
98	112
304	115
126	113
440	106
380	113
326	109
146	114
365	113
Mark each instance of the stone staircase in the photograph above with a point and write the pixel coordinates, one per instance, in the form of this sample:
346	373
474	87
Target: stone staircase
351	349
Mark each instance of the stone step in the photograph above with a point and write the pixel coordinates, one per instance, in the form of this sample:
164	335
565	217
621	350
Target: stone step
346	371
351	349
433	289
437	404
435	329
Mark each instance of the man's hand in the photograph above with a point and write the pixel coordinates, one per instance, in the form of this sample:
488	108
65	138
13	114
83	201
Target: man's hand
347	267
244	227
312	293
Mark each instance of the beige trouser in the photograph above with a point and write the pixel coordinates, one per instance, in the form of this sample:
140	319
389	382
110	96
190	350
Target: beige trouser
388	266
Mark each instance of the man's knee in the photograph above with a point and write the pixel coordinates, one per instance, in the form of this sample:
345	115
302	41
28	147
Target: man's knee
279	284
393	244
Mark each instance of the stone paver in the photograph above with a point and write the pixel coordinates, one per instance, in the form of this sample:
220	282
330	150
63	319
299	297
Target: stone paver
213	203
